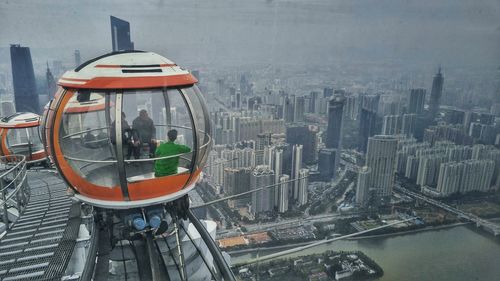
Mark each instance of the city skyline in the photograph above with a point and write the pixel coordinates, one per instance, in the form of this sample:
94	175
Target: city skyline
318	121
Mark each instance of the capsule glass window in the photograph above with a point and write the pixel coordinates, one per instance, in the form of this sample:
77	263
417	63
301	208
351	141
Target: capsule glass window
86	126
201	122
148	116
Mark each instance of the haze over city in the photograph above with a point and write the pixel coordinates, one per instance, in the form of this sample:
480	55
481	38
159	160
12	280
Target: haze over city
250	140
455	33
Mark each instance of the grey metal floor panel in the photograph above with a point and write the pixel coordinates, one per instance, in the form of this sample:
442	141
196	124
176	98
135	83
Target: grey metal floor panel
39	245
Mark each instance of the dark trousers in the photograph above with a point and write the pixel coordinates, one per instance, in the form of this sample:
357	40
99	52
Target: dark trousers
136	150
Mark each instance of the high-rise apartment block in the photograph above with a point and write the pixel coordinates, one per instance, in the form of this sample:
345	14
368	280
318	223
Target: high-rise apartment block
327	163
466	176
417	101
392	125
409	124
262	200
351	109
237	181
297	151
307	137
381	158
303	182
283	193
363	186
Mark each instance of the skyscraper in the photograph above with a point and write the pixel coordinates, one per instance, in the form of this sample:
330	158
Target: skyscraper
436	93
335	115
307	137
7	108
237	181
449	178
327	163
313	102
428	169
370	102
303	183
417	101
392	125
263	200
381	158
283	190
51	83
23	75
477	175
289	109
408	125
220	88
300	108
352	107
120	35
327	92
296	166
273	158
367	127
363	186
78	58
244	85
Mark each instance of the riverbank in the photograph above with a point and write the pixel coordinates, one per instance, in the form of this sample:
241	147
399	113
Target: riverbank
288	246
428	228
398	255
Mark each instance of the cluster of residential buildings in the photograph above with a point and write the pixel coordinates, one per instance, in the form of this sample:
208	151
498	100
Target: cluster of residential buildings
273	170
440	169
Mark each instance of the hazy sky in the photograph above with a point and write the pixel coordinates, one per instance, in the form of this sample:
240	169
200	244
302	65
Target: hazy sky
296	32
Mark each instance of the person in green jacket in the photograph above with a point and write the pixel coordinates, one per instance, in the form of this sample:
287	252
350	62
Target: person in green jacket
168	166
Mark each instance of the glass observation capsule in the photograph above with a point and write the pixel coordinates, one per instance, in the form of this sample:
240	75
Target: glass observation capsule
128	129
19	136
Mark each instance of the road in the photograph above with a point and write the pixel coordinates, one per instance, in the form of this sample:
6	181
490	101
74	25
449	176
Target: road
251	228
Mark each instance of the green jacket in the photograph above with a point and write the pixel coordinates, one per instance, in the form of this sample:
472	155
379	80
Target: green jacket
165	167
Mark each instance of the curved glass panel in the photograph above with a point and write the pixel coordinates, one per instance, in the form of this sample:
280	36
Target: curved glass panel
43	121
85	136
47	120
24	141
202	122
34	137
17	141
148	117
2	132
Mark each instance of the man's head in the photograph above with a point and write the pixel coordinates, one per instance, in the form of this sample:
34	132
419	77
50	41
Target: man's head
143	113
172	135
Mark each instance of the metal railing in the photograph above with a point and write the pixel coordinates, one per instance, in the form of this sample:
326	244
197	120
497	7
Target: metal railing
14	190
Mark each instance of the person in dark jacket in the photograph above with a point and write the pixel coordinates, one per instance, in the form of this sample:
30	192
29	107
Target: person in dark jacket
130	139
146	130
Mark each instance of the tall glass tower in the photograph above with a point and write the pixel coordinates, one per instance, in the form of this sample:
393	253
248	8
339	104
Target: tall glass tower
23	76
436	93
120	35
334	130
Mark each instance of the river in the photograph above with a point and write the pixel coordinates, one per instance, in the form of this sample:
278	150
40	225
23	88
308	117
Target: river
458	253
